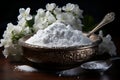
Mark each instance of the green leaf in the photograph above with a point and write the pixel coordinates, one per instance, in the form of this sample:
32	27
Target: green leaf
30	22
16	37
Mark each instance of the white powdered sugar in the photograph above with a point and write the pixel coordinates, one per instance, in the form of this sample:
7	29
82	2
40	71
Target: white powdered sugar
25	68
59	35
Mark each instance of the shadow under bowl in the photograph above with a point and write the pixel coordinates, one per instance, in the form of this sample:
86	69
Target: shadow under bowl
59	58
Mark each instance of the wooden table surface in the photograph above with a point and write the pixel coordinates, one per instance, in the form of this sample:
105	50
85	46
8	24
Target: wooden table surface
8	71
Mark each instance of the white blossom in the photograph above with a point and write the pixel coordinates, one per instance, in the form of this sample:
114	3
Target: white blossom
51	6
7	33
10	31
7	36
9	28
24	14
43	20
77	24
73	8
68	7
65	17
50	17
39	16
40	20
40	13
42	25
69	18
78	11
69	15
107	45
57	10
17	29
26	30
22	22
6	42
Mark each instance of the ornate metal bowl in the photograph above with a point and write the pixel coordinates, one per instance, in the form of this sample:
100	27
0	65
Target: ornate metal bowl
62	57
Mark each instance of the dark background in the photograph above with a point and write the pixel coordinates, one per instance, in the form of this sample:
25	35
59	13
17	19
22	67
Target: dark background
9	10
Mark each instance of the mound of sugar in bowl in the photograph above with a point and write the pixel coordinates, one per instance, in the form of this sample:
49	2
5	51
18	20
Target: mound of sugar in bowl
58	35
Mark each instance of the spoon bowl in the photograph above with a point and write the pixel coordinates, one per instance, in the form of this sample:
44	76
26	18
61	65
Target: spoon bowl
99	65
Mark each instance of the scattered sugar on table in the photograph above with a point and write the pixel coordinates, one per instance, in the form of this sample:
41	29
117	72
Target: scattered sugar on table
25	68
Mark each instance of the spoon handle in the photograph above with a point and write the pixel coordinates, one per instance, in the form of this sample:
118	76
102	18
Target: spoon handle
114	58
107	19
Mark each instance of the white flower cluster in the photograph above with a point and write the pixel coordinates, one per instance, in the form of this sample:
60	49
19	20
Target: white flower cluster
69	14
28	24
107	45
14	32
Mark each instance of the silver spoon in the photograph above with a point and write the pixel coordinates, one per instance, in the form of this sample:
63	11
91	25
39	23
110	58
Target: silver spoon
107	19
99	65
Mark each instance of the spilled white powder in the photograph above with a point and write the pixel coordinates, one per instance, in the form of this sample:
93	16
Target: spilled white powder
25	68
58	35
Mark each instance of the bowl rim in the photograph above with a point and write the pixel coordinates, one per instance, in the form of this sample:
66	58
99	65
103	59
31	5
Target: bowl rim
22	42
